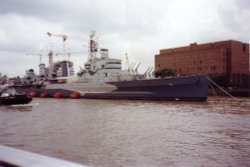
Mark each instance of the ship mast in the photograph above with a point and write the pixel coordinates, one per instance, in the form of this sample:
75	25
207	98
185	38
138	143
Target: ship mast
93	46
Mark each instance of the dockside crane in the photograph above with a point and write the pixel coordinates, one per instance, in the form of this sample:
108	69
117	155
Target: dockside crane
38	54
64	38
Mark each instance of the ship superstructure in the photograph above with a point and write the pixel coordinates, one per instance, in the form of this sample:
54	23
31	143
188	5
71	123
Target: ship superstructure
98	70
103	77
100	67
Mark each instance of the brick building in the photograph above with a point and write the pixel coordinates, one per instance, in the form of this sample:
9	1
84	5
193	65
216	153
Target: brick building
229	58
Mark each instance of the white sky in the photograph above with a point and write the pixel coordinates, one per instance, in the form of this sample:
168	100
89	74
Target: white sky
137	27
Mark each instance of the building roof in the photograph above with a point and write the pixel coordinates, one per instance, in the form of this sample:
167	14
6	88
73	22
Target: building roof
195	46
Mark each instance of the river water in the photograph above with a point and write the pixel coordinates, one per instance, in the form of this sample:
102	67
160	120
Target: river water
116	133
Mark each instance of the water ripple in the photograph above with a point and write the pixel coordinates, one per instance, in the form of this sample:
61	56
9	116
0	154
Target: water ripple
132	133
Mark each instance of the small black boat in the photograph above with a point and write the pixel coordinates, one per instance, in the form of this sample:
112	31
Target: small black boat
9	96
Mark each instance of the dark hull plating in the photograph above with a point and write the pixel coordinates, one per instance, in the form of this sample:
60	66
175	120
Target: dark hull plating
16	99
174	88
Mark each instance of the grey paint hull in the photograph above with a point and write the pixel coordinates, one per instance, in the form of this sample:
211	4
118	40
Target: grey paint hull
174	88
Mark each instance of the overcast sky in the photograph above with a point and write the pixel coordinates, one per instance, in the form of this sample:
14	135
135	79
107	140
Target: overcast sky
139	28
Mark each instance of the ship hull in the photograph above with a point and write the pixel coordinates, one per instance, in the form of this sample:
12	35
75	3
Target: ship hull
174	88
65	90
141	96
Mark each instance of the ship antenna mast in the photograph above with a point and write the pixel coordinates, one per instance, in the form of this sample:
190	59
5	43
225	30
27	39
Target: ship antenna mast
126	61
93	45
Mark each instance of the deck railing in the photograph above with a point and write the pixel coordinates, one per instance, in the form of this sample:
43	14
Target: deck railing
11	157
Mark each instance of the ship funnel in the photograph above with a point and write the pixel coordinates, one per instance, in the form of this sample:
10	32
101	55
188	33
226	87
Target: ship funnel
42	69
104	53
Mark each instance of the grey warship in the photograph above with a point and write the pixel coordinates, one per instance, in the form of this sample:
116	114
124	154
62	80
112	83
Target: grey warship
102	77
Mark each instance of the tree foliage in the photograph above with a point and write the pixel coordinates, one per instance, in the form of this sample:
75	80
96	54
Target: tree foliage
164	73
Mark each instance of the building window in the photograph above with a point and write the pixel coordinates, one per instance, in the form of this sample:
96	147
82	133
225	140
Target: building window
244	47
238	78
213	67
234	77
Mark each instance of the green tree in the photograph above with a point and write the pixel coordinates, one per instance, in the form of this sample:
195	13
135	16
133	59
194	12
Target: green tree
164	73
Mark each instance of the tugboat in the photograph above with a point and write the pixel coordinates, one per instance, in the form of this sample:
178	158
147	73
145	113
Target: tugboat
9	96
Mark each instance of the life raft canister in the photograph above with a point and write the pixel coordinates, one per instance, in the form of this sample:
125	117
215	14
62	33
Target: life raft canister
75	95
58	95
44	94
